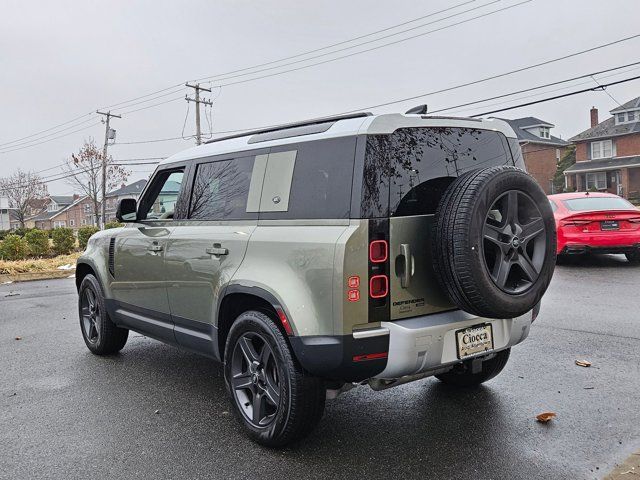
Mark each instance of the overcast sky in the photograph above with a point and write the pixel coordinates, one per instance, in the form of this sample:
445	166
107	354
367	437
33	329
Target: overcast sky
60	60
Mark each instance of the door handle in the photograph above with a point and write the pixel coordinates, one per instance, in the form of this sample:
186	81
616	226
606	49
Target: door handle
405	279
155	248
217	250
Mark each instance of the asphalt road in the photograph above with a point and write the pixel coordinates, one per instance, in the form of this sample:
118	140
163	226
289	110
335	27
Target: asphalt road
65	413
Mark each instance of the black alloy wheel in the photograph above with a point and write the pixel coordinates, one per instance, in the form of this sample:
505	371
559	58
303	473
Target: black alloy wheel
255	379
514	242
91	316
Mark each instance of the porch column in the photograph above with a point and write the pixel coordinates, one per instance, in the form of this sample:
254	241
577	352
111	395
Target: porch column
624	181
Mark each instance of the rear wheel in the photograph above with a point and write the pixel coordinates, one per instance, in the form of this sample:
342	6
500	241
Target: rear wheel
100	334
633	257
274	399
463	376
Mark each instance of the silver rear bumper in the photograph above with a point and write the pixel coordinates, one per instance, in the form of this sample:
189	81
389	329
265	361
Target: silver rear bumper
421	344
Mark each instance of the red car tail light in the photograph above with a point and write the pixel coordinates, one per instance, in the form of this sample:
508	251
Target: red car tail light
378	286
574	223
634	220
378	251
353	281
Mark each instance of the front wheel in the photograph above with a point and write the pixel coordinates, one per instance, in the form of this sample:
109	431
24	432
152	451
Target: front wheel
274	399
100	334
463	376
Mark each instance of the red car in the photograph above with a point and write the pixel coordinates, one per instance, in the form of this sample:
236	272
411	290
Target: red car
593	222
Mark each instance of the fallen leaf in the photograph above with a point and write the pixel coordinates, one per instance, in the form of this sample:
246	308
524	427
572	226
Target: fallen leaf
18	338
583	363
545	417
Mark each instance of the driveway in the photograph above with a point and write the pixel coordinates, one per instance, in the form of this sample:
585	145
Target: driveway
158	412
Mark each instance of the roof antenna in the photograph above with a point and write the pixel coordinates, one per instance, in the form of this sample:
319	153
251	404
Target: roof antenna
419	110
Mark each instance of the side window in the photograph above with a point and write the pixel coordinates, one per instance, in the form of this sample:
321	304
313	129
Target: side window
220	190
320	186
161	199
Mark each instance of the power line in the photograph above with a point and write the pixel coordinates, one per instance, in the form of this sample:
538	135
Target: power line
334	44
372	48
128	103
228	77
51	139
556	97
538	87
500	75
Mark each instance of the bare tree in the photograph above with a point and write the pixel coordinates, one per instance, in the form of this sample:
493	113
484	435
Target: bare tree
21	188
85	172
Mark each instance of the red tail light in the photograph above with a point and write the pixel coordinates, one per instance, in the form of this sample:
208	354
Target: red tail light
353	295
378	286
634	220
378	251
575	223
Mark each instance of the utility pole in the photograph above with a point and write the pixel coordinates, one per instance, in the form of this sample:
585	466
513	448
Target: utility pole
109	134
198	101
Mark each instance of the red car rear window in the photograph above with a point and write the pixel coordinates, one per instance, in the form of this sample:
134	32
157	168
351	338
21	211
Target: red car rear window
590	204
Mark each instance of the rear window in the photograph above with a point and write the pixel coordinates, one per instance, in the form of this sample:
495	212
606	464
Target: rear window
407	172
590	204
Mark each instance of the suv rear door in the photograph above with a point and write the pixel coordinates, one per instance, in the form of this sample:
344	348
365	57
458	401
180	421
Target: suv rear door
420	163
207	247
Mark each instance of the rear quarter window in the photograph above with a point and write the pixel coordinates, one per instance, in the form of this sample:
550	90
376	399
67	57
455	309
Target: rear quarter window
321	182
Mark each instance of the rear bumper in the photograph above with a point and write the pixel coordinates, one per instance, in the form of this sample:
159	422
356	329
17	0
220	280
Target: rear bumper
400	348
424	344
580	248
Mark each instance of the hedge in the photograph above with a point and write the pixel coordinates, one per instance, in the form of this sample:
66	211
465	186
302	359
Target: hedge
13	247
113	225
63	240
83	235
38	242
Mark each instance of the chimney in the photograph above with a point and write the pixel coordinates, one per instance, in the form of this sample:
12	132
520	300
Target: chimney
75	197
122	185
594	116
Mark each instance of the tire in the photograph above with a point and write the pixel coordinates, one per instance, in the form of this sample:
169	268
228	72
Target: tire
491	221
633	257
100	334
254	376
462	376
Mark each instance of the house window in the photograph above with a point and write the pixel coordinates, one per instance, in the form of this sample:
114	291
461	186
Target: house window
72	222
621	118
597	180
601	149
631	116
544	132
84	221
87	208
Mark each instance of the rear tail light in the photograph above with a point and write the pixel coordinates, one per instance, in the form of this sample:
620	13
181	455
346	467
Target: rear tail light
378	286
378	251
634	220
575	223
370	356
353	281
353	295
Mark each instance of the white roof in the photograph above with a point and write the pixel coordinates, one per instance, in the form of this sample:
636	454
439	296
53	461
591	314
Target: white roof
372	125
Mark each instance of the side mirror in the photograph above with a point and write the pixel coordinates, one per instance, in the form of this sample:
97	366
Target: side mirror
126	211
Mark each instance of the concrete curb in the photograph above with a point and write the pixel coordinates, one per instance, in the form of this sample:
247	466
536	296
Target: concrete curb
29	276
628	470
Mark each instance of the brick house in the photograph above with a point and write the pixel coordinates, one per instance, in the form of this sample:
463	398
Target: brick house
608	153
540	149
53	206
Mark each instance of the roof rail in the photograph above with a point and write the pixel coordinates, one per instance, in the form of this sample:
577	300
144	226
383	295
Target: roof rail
285	126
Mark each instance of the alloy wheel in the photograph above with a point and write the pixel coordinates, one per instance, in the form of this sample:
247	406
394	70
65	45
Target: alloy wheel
91	316
255	380
514	243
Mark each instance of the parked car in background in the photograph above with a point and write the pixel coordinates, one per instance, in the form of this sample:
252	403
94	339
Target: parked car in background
594	222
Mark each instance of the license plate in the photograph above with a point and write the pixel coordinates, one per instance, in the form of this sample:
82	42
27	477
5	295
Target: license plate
609	225
473	340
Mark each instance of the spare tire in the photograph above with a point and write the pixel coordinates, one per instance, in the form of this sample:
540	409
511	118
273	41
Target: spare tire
494	244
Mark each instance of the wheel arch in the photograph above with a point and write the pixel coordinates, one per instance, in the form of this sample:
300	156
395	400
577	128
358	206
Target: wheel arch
240	298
